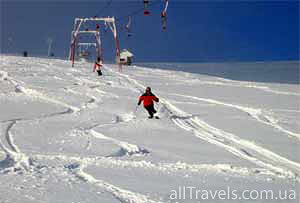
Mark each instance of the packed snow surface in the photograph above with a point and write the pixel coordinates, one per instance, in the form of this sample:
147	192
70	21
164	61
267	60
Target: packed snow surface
68	135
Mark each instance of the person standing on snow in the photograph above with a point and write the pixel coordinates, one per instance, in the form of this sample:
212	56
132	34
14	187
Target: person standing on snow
98	66
148	97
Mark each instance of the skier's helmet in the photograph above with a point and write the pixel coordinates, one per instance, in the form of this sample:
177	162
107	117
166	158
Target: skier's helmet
148	89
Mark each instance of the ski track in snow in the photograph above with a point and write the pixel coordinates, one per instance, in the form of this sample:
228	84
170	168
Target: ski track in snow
121	194
242	148
35	94
126	148
15	160
249	85
76	166
168	168
239	147
171	168
90	104
223	82
273	164
258	114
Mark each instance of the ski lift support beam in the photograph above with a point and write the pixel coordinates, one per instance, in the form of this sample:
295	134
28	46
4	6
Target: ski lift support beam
87	44
74	36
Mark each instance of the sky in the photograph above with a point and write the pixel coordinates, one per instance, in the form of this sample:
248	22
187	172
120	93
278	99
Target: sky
197	31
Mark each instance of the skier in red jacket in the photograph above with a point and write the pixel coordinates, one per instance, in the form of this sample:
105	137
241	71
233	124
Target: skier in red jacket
98	66
148	97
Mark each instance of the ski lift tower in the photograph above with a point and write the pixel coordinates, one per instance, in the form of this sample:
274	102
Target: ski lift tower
78	24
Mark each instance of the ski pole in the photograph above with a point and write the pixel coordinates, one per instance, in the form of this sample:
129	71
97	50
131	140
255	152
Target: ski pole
136	107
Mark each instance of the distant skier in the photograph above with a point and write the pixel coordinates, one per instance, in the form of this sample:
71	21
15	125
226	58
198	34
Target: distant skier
98	66
148	97
25	53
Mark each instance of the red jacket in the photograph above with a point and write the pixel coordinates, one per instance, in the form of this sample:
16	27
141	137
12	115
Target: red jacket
148	99
97	66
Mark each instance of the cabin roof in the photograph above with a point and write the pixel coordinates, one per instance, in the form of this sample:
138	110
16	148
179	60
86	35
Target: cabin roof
125	53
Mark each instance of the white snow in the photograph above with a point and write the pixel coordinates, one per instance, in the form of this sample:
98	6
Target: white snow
3	75
67	135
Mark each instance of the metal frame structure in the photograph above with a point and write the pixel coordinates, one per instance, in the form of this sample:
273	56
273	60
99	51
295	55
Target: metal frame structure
86	46
79	22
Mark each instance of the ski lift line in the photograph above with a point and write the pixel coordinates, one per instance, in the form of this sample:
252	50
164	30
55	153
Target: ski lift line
164	16
121	27
166	6
146	11
86	32
139	10
127	27
106	19
129	22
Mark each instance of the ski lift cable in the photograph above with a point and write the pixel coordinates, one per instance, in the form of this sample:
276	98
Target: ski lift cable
138	11
129	22
129	16
134	13
164	16
166	6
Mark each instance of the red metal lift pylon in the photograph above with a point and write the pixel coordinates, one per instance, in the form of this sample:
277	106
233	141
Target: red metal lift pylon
110	21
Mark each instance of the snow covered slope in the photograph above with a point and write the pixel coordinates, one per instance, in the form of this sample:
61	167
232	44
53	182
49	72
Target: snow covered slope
67	135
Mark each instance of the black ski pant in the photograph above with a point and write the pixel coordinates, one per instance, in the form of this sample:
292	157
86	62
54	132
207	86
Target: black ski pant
150	110
99	72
